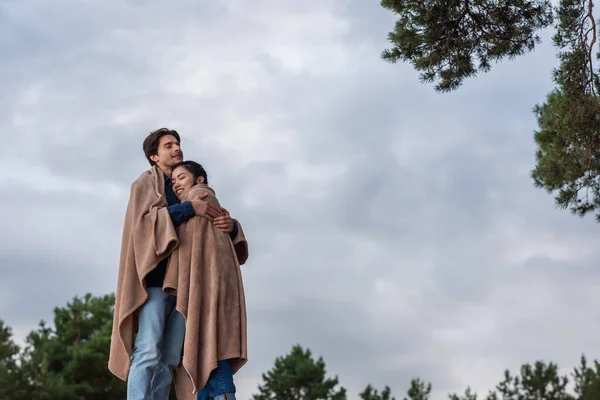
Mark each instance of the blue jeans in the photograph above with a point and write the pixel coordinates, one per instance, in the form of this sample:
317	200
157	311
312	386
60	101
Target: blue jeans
220	384
157	348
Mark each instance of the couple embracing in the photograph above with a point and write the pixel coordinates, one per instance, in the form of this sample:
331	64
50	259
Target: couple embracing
180	311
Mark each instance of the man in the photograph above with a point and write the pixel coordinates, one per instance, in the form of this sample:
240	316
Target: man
149	236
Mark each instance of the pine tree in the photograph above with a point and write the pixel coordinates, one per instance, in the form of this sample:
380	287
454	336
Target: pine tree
371	393
69	361
569	121
587	380
418	390
12	383
469	395
535	382
297	376
451	40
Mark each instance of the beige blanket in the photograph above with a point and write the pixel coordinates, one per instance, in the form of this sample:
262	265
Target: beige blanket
148	237
204	272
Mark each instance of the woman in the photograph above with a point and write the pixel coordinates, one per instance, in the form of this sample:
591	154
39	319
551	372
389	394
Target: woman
204	273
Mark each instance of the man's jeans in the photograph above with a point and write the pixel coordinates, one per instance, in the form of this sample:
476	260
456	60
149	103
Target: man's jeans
220	384
157	349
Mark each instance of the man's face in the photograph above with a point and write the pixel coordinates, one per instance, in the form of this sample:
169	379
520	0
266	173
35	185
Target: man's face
169	153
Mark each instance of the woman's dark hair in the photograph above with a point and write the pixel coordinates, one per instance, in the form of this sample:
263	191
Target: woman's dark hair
194	168
151	142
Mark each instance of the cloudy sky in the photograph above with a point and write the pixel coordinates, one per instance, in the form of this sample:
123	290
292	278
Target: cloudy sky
395	231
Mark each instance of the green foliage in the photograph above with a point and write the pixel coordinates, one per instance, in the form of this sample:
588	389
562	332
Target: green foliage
12	382
297	376
418	390
540	381
450	40
587	380
69	361
372	394
569	120
543	381
469	395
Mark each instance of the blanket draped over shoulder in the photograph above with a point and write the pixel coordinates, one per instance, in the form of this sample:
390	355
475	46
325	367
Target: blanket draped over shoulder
148	238
204	272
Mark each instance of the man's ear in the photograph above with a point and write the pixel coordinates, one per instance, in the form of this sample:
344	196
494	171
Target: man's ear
154	158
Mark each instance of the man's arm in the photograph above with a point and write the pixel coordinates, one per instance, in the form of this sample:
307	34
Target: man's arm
184	211
226	224
181	213
234	232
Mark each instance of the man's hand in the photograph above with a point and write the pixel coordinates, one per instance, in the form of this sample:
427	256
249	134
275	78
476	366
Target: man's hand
203	209
224	222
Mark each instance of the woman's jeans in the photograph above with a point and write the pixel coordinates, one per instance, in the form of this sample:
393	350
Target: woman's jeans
220	384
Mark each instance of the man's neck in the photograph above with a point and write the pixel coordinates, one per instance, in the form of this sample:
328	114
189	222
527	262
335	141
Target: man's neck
166	170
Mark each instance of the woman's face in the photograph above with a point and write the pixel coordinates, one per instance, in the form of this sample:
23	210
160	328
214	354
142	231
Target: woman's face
182	179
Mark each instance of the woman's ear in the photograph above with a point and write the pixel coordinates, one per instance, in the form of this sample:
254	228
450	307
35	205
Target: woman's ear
200	179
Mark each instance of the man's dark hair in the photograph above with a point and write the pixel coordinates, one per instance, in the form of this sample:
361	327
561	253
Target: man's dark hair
151	142
194	168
